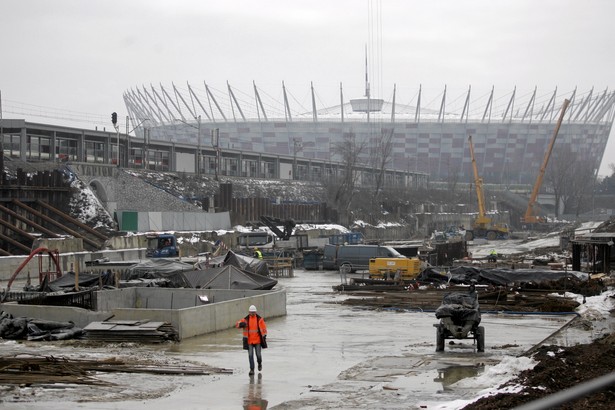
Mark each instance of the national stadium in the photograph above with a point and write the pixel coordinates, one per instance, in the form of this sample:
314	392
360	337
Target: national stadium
510	132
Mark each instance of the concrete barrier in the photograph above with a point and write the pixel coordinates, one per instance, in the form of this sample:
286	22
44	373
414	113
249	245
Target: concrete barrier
182	308
80	317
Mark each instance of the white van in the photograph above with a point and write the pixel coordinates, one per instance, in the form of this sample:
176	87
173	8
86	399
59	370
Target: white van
356	257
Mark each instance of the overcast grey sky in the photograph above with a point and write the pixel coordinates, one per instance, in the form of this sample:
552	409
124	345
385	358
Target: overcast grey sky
78	56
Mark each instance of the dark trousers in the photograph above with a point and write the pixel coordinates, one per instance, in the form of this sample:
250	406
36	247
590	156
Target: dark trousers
251	350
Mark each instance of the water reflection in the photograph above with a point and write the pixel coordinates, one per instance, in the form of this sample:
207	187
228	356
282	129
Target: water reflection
253	399
453	374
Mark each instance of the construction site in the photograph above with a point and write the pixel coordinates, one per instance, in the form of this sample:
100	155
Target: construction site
119	287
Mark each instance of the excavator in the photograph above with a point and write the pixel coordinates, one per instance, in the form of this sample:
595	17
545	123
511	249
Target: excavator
483	226
530	216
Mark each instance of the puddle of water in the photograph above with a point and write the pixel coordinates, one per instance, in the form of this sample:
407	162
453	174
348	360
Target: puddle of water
451	375
434	381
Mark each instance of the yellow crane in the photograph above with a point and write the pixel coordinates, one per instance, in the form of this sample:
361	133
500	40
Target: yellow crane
530	216
483	226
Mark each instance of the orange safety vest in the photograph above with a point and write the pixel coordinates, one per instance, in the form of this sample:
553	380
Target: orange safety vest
251	331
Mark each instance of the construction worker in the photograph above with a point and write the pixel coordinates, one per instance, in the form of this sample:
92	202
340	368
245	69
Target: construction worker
254	337
258	254
493	256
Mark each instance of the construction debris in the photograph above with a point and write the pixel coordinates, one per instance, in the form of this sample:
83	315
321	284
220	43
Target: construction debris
45	370
497	300
142	331
36	329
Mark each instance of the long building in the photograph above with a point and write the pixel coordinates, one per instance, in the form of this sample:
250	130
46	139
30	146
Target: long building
39	143
510	133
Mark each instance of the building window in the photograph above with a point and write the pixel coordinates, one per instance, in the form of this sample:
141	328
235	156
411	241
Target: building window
94	152
66	150
11	145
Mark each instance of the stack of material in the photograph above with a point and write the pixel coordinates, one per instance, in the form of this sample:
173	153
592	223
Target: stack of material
142	331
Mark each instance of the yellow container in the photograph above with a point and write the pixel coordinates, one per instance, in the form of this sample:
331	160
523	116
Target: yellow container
381	268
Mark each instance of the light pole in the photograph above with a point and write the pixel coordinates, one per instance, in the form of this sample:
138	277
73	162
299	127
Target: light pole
198	136
117	131
128	139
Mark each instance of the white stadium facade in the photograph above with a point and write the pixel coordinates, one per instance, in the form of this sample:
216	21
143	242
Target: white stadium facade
511	132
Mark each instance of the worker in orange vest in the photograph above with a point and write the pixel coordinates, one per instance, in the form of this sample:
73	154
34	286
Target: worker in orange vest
254	337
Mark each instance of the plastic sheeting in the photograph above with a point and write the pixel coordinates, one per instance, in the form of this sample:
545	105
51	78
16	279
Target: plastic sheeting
247	263
169	270
498	277
36	329
235	272
85	280
461	307
228	277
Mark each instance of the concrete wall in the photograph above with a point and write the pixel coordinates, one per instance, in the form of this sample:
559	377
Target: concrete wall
180	307
198	320
62	245
183	221
80	317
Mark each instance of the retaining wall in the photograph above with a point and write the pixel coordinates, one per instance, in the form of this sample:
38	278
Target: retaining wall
180	307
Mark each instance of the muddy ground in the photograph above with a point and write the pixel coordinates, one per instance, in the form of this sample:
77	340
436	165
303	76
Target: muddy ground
323	355
561	368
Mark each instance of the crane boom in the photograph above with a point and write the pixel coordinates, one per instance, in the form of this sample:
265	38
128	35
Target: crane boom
530	215
478	182
483	226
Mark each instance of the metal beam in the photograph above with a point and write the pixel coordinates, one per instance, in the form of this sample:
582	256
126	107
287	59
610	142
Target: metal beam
287	115
442	106
259	103
234	99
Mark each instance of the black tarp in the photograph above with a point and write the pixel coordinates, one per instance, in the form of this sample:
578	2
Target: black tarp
460	307
498	277
234	272
36	329
228	277
247	263
157	269
86	280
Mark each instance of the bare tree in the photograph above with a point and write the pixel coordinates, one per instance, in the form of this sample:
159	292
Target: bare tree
559	171
381	156
570	179
342	190
581	189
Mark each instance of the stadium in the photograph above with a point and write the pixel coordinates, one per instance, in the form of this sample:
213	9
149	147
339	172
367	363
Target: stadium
427	135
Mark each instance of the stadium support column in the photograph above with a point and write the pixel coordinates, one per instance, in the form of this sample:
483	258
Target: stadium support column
215	142
198	151
127	156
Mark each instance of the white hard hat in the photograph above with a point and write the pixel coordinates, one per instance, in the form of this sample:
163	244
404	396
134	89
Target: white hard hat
252	308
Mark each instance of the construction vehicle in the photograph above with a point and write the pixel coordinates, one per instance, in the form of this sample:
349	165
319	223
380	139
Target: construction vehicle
530	216
394	268
272	223
162	245
460	317
483	226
